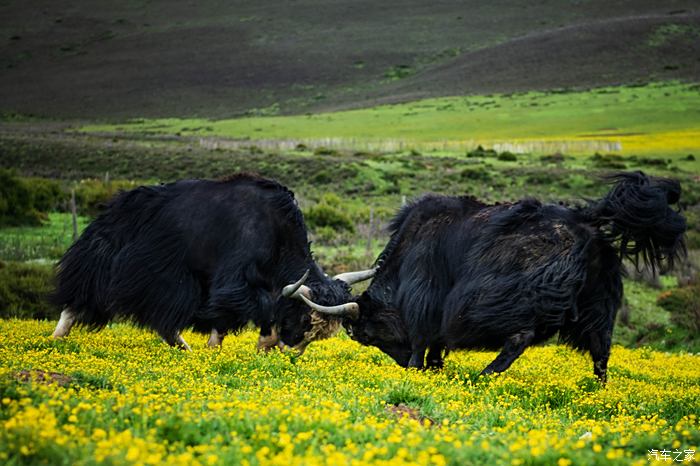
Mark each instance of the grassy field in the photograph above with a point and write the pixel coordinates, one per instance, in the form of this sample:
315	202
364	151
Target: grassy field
658	119
122	396
48	242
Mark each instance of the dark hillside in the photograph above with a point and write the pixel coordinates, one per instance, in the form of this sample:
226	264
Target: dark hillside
102	59
607	52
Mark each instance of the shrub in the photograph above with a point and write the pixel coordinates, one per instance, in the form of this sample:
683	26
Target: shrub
328	213
23	291
684	305
48	195
476	174
16	201
611	161
542	178
322	177
507	157
481	152
325	151
556	157
91	194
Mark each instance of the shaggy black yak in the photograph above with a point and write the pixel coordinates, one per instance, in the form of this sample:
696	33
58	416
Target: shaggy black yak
209	254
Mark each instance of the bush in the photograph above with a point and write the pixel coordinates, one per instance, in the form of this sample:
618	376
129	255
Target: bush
325	151
481	152
684	305
610	161
16	201
476	174
328	213
556	157
542	178
507	157
91	194
24	289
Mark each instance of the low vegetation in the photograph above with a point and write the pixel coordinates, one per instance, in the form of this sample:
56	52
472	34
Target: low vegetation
121	396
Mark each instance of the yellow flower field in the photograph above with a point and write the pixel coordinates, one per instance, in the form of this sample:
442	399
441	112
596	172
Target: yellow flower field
121	396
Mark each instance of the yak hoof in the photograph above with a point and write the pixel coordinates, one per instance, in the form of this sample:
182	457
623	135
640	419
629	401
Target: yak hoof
65	323
215	339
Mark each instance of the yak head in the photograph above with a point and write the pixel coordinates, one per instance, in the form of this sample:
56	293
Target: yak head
367	320
381	326
312	308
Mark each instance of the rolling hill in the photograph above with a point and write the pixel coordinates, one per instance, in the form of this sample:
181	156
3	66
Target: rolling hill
109	60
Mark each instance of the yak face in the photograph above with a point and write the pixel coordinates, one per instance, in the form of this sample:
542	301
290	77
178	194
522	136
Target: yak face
380	327
299	324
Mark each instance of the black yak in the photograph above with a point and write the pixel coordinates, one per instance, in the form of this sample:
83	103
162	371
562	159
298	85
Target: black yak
460	274
209	254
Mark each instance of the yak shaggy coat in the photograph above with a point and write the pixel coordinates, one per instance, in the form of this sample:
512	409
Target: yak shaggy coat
461	274
209	254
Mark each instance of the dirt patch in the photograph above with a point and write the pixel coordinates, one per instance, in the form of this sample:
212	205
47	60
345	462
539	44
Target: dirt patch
39	376
402	410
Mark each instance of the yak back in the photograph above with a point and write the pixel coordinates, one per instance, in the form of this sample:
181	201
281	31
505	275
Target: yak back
520	267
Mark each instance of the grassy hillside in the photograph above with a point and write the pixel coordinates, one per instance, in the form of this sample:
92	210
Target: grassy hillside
122	396
102	59
658	119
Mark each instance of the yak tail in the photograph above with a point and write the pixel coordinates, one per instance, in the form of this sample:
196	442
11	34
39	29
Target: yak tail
637	212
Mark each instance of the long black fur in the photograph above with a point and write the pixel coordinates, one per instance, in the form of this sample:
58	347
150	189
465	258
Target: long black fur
460	274
202	253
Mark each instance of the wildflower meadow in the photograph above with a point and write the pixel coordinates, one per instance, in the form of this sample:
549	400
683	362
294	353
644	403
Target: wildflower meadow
122	396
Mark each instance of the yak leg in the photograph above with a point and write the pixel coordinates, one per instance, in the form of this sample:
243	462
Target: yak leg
65	323
215	339
417	357
178	341
182	344
514	347
268	338
600	352
435	357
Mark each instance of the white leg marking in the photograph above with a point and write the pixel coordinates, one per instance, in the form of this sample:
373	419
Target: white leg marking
182	343
65	323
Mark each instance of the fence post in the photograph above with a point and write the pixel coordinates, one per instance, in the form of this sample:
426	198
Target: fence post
74	214
369	231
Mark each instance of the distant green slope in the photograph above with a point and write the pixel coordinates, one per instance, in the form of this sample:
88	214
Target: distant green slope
661	118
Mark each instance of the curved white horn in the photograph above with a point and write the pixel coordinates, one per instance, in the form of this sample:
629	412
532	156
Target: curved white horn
353	277
351	309
291	289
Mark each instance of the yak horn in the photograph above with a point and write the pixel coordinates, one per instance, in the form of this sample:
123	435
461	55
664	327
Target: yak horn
350	309
353	277
290	290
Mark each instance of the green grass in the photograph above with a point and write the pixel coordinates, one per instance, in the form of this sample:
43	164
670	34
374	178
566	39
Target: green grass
660	118
33	243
